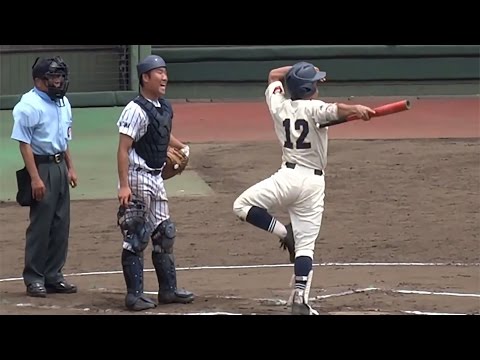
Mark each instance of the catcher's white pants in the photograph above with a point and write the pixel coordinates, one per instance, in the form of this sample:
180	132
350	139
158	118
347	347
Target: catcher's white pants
297	190
150	190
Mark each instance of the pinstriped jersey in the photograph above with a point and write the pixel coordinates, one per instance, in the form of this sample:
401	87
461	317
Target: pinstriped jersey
295	124
133	122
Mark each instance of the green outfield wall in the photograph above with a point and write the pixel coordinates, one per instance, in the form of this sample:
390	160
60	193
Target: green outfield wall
104	75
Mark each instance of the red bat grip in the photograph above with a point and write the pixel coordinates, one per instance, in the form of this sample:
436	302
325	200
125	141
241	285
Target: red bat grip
383	110
387	109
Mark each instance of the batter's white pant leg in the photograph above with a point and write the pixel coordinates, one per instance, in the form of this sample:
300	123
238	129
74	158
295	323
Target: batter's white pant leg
264	194
306	215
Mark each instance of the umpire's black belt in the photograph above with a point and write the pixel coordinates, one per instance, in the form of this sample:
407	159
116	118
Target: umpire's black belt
292	166
42	159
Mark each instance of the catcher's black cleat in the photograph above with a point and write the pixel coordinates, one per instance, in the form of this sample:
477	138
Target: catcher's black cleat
138	303
179	296
288	243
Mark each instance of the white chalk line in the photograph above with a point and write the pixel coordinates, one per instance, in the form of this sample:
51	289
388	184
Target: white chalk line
351	292
415	312
230	267
56	307
53	307
281	302
268	301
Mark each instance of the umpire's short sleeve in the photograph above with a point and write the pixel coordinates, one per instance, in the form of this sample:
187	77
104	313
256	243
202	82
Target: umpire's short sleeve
25	119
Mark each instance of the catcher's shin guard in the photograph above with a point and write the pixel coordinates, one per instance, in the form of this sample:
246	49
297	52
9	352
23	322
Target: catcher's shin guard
132	265
167	280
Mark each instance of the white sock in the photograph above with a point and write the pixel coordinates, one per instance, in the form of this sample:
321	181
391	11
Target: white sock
278	228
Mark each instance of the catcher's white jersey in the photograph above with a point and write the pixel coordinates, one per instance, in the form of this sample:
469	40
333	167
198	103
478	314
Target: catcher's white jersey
133	122
296	127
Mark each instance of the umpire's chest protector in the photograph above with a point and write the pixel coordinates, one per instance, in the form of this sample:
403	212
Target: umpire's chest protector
152	146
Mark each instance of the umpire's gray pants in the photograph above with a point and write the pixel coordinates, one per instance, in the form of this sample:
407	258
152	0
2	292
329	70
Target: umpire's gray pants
47	235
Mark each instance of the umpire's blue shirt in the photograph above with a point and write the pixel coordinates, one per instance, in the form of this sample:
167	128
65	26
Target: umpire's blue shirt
42	123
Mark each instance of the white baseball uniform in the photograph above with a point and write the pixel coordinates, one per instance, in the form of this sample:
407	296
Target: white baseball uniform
147	188
298	189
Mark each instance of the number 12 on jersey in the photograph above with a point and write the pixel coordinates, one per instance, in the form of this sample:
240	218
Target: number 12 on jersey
300	124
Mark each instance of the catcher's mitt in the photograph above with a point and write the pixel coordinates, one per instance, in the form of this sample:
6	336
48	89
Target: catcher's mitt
288	243
177	161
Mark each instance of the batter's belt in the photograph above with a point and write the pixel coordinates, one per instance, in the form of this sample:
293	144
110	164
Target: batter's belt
292	166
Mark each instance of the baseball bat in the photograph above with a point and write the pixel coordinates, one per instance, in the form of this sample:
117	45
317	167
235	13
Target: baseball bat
383	110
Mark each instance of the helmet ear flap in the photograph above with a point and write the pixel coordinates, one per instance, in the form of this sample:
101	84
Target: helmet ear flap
308	89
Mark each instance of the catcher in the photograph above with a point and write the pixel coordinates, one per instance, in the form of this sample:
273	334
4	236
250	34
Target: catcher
147	155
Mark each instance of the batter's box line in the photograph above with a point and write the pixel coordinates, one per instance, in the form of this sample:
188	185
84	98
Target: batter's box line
232	267
280	302
107	311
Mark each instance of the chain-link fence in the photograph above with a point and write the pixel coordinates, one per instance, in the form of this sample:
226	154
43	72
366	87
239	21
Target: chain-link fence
92	67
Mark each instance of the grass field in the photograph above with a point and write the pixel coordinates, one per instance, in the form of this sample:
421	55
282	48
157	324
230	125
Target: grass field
93	148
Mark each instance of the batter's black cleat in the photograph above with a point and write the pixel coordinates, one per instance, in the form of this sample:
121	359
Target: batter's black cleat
288	243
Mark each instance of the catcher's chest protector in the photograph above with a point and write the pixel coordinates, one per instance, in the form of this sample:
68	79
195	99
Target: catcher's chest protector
152	146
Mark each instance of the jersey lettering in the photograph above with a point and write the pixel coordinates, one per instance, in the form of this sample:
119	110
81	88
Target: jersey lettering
300	124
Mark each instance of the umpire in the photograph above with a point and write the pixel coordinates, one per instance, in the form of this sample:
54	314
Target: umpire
42	126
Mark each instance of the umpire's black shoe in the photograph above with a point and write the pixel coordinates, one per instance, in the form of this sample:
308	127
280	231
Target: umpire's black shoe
61	287
36	290
288	243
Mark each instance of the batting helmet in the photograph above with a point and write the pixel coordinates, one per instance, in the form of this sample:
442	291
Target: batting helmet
48	69
149	63
302	80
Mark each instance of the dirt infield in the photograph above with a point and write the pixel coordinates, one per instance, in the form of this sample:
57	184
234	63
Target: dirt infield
387	201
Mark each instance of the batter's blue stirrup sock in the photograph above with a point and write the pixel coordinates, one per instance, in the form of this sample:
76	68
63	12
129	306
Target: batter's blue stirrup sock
302	267
262	219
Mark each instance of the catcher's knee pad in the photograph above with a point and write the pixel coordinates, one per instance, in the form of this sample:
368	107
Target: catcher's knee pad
163	237
133	226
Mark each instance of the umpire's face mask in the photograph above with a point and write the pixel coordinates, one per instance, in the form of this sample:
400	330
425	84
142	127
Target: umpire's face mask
57	79
57	85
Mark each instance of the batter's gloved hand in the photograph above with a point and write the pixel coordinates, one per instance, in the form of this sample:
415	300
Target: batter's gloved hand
288	243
